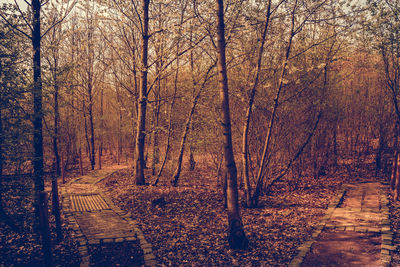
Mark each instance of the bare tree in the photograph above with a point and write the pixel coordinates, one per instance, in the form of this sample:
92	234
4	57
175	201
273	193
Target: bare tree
236	235
141	119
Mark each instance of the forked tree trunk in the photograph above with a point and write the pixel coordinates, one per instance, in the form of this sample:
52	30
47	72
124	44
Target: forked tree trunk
168	142
178	169
141	119
236	236
245	143
188	123
261	168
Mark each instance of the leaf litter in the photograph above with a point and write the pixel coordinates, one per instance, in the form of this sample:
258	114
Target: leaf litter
189	228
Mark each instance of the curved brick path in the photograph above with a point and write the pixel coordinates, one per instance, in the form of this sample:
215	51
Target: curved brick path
354	232
96	220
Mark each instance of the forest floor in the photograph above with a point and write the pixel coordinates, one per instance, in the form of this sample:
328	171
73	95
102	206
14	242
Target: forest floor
23	247
188	226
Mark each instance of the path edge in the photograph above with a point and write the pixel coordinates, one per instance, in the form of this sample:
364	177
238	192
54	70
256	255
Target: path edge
79	237
385	229
148	255
304	248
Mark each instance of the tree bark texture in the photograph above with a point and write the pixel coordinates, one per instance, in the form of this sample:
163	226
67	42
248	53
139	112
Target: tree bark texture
395	155
37	99
397	178
91	125
1	160
56	126
236	236
141	119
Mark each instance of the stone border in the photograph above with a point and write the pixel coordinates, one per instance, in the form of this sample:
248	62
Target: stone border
306	246
384	230
82	241
148	255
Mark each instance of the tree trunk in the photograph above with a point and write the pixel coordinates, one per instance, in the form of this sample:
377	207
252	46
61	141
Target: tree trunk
335	144
192	162
260	174
102	128
245	146
236	236
1	161
38	167
56	204
119	134
141	119
155	154
44	228
91	125
178	169
395	157
168	142
381	147
88	150
56	165
80	160
397	179
56	125
177	172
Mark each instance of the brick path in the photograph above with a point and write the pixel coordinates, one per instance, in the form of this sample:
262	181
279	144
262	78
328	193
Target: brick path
96	220
354	232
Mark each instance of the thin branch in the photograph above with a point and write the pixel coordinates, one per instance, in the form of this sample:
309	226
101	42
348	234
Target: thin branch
14	27
299	152
44	3
67	11
22	15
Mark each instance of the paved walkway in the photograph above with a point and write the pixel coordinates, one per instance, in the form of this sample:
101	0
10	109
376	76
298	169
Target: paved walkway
354	232
96	220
